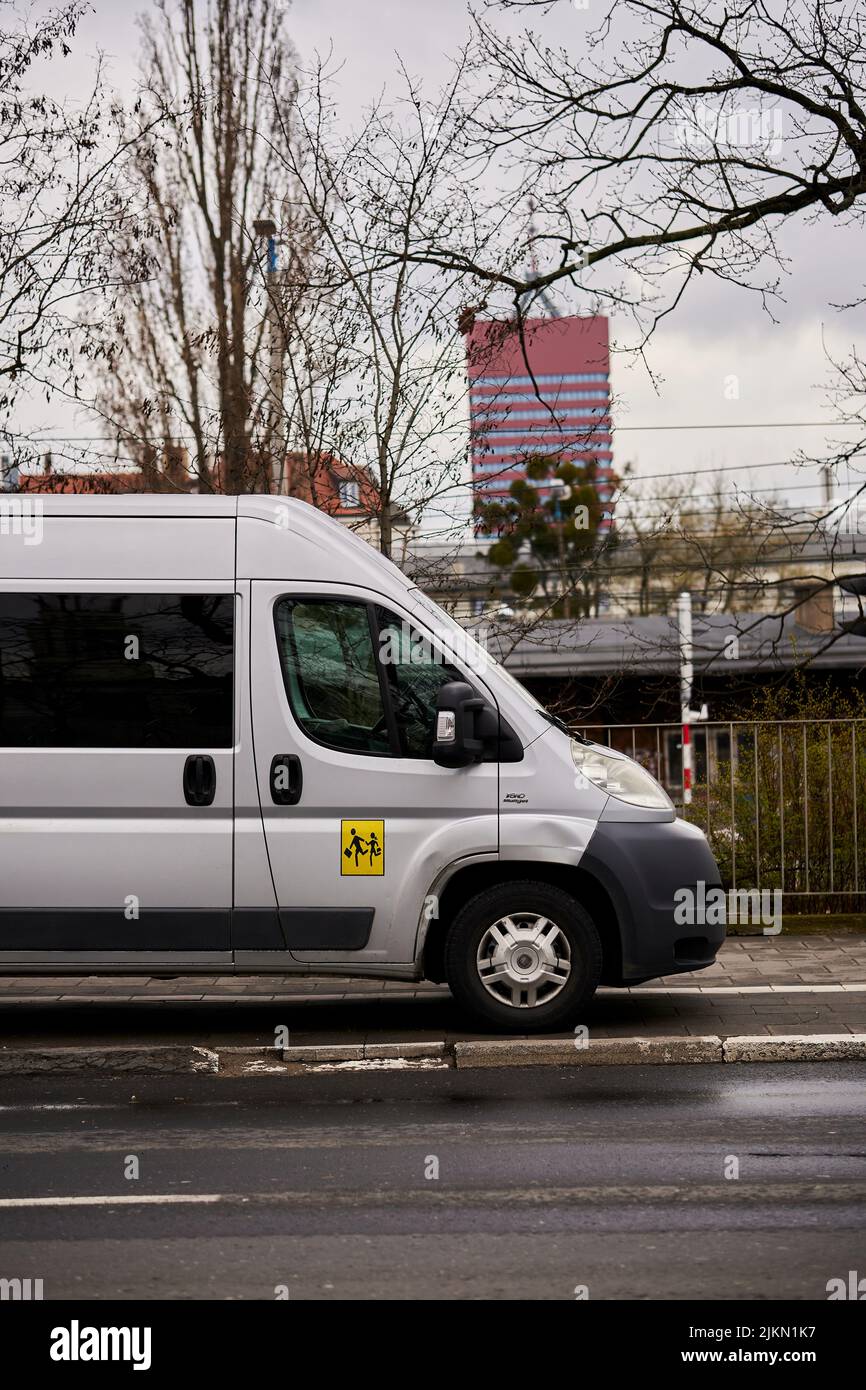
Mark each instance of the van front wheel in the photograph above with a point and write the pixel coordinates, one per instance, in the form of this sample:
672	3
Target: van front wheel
524	957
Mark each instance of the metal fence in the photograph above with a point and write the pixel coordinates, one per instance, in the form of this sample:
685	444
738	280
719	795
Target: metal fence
782	802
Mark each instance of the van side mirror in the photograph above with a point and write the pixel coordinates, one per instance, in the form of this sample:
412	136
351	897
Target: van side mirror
463	721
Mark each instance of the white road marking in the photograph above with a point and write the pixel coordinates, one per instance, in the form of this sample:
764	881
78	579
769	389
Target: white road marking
165	1199
77	1105
740	1193
38	1107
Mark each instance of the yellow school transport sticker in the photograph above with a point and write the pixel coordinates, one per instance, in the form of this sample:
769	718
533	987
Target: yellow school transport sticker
362	847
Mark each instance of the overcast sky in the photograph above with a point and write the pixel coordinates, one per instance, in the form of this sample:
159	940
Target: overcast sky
718	333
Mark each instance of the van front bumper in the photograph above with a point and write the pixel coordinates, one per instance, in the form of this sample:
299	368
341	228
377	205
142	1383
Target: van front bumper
644	866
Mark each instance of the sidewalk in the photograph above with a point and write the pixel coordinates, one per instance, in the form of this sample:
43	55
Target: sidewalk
760	986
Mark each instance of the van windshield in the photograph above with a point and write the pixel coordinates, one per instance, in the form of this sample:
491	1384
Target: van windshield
472	652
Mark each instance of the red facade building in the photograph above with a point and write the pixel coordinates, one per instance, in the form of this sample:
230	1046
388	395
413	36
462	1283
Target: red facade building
567	359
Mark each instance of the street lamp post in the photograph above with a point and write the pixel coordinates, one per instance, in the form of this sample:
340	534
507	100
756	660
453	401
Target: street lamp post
266	227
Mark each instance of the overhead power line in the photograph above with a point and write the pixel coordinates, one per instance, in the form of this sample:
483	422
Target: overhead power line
758	425
720	425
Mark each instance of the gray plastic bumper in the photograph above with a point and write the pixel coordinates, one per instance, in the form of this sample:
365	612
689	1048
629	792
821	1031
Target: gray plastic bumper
642	865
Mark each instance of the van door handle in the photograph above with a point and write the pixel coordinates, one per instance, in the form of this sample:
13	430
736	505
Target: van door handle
287	779
199	779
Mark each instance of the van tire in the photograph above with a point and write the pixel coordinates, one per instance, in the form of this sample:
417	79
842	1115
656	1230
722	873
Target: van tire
522	900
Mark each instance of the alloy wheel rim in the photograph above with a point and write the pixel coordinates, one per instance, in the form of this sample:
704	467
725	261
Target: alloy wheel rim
524	960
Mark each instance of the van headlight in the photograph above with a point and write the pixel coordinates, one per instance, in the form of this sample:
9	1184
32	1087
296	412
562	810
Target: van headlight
619	776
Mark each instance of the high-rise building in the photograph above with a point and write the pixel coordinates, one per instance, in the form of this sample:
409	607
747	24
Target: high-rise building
567	360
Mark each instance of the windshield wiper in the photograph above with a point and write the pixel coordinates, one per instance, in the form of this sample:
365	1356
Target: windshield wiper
558	723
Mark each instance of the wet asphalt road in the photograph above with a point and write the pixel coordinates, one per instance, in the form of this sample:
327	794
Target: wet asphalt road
612	1178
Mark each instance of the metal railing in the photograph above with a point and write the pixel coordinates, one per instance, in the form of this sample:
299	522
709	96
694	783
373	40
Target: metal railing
782	802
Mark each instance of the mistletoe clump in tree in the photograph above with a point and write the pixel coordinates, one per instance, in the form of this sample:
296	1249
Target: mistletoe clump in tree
550	537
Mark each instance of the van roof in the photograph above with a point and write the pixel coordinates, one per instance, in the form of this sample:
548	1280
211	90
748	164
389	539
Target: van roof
299	540
136	504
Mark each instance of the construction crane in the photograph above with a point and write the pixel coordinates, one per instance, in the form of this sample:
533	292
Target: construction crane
542	295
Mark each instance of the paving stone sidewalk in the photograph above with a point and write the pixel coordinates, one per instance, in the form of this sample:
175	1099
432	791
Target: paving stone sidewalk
759	985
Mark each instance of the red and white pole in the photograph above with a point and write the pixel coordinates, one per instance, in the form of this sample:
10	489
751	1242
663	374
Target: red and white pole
684	624
687	765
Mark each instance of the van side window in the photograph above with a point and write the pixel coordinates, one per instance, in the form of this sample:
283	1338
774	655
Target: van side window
332	679
116	670
415	672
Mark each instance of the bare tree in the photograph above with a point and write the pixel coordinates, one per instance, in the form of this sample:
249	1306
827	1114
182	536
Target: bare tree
226	373
59	202
723	547
383	330
671	139
674	138
192	389
644	524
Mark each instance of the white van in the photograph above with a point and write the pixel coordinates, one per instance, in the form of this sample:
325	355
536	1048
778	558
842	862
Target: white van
233	737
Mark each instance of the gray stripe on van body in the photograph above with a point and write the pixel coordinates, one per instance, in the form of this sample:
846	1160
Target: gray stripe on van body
102	929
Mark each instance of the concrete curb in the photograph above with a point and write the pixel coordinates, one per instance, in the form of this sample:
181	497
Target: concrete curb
233	1061
139	1061
813	1047
603	1052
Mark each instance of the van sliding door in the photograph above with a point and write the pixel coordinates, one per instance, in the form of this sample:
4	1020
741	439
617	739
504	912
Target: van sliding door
116	752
